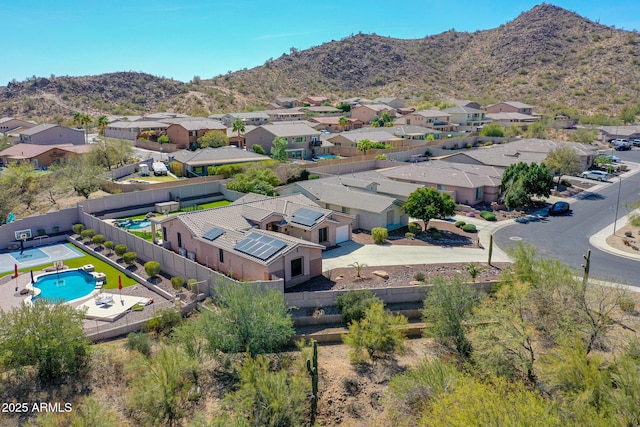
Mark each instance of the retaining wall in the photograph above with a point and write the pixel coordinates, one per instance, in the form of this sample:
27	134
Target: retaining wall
63	219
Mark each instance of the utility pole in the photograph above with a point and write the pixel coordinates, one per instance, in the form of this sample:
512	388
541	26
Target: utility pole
586	266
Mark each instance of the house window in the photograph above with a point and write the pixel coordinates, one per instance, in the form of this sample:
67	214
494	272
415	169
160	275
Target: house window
299	139
296	267
193	133
478	193
221	255
179	240
346	210
164	234
198	170
441	187
323	235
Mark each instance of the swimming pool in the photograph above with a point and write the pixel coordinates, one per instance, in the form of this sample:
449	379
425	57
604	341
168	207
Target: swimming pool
65	285
134	224
327	156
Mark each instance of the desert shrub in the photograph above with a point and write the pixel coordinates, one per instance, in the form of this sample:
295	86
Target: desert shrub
120	249
98	239
152	268
77	228
469	228
88	233
353	304
436	235
419	276
191	285
108	244
415	227
489	216
379	234
129	258
488	144
140	342
177	282
459	224
627	305
313	176
164	321
258	149
432	230
628	233
409	236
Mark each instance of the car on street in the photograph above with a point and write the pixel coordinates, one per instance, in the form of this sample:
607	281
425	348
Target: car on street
559	208
622	147
597	175
635	142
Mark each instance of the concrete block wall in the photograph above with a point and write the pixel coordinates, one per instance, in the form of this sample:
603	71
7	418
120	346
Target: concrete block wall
63	219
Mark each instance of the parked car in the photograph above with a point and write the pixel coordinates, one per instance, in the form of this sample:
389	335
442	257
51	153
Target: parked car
597	175
622	147
559	208
635	142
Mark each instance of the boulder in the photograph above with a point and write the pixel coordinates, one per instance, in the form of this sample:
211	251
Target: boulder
381	273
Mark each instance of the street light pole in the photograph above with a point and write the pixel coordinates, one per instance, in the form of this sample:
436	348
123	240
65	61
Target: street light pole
615	222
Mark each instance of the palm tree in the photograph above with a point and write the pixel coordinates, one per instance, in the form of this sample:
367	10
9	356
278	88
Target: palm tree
83	120
238	126
102	123
342	121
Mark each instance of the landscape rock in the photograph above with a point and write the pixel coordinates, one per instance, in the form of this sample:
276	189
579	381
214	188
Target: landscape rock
381	273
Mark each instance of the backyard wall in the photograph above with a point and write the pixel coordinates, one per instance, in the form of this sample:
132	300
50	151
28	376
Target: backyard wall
128	169
147	185
63	219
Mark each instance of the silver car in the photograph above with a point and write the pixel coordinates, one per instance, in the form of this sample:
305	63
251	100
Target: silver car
597	175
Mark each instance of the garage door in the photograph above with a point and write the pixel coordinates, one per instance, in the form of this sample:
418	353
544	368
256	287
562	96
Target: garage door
342	234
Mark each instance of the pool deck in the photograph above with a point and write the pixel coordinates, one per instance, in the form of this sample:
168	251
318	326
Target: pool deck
9	298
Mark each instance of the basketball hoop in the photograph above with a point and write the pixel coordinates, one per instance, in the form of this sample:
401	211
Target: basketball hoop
23	237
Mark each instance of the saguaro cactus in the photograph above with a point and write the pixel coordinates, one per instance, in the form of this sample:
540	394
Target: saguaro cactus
490	248
312	369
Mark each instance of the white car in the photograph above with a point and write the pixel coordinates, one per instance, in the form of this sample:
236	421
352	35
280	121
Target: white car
597	175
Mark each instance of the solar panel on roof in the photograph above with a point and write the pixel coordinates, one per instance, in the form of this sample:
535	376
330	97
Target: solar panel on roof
213	234
306	216
260	246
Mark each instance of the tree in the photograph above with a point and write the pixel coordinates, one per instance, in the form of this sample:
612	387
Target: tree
343	122
522	181
446	308
628	114
130	258
375	123
564	160
248	318
102	122
164	139
213	139
492	129
110	152
160	386
344	107
279	149
98	240
21	183
239	126
152	268
257	179
354	303
48	336
80	174
428	203
257	148
83	120
378	334
364	145
120	249
537	130
584	135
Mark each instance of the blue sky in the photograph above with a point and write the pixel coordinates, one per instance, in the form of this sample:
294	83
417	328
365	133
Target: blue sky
184	38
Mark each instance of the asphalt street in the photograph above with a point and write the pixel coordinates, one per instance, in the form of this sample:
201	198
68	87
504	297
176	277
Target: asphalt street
567	237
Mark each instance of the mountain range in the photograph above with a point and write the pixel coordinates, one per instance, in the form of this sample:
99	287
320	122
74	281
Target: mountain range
548	57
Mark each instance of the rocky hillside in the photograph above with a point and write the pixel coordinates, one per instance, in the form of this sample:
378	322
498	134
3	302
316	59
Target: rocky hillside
548	57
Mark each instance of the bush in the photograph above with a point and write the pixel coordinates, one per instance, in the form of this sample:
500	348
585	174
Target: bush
627	305
87	234
140	342
129	258
469	228
152	268
191	285
628	233
120	249
313	176
409	236
108	244
257	148
354	303
177	282
489	216
98	239
459	224
164	322
415	227
379	235
419	277
77	228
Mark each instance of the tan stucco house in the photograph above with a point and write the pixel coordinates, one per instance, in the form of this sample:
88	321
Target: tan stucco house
187	132
48	134
41	156
303	140
368	112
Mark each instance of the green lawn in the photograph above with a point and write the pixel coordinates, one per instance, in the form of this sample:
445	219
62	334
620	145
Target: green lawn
163	178
101	266
209	205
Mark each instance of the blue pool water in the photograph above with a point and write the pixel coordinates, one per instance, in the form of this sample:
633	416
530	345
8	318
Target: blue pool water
66	285
327	156
138	225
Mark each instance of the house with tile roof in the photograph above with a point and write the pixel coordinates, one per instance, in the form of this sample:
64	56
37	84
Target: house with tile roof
332	124
415	132
41	156
303	141
286	102
510	107
368	112
432	119
285	114
467	118
371	198
258	237
10	125
393	102
467	103
467	183
315	101
509	119
197	163
49	134
185	133
130	130
351	138
254	118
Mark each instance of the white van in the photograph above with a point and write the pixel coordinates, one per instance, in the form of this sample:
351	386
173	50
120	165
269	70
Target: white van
144	170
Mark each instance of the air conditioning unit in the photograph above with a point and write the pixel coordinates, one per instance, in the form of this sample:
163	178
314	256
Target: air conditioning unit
182	251
191	256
